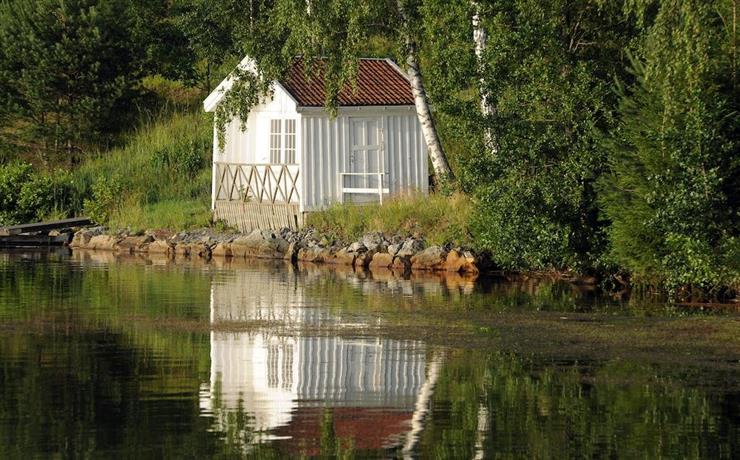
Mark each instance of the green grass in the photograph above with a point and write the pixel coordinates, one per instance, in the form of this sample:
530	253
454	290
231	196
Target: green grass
169	214
438	218
160	178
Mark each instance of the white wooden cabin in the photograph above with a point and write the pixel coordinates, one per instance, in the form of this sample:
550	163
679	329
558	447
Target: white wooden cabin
294	158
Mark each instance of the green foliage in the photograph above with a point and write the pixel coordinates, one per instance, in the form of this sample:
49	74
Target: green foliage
180	214
161	178
548	67
185	159
209	28
438	218
71	69
107	195
12	178
672	192
27	196
49	195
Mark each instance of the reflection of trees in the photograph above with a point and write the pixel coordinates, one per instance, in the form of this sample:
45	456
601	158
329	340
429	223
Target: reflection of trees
72	395
544	410
101	385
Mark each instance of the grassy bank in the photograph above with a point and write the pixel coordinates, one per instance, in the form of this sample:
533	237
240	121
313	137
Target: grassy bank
438	218
159	178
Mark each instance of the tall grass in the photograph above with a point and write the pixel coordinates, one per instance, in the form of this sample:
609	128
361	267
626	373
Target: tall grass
438	218
161	177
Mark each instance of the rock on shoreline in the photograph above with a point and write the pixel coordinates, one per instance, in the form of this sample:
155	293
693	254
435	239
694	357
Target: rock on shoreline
374	251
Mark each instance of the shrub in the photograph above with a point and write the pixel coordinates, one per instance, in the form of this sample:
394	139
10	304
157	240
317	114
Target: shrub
12	178
107	197
46	196
26	195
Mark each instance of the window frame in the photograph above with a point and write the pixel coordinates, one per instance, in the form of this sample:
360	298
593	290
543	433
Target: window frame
282	144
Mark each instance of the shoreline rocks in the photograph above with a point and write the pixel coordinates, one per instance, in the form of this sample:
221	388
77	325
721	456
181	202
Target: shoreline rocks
373	251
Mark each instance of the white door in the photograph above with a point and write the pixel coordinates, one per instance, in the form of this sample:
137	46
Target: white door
365	159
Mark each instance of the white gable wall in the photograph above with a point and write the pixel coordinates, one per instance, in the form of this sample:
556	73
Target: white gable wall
252	146
325	143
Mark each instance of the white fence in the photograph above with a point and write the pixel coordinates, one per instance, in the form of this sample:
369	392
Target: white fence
258	183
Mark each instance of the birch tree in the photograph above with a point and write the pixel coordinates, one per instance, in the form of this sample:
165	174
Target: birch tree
487	107
421	100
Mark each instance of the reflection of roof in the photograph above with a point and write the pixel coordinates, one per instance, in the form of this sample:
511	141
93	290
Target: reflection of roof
368	429
379	82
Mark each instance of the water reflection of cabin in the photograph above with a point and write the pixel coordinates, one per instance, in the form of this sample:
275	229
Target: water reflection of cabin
283	379
295	158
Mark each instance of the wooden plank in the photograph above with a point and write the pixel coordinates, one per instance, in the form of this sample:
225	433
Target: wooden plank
249	216
19	241
45	226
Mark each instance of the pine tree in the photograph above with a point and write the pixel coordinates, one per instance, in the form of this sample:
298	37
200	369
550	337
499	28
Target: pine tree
71	68
673	192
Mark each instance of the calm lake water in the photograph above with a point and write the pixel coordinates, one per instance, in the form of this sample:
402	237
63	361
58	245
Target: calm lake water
108	357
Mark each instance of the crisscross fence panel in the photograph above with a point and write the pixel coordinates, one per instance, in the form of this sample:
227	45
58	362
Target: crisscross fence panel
257	183
258	196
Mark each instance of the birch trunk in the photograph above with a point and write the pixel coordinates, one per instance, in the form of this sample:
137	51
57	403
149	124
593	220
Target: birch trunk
422	407
480	38
421	101
436	153
484	424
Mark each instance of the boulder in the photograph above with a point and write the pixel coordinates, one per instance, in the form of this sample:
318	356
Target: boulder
132	244
160	247
401	264
411	247
342	257
357	246
82	238
374	241
314	254
160	233
432	258
291	254
182	249
460	261
381	260
105	242
200	250
363	259
260	244
394	248
221	250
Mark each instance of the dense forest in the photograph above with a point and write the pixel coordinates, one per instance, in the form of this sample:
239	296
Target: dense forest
591	135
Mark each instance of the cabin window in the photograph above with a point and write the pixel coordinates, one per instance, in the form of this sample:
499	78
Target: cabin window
275	138
289	142
282	141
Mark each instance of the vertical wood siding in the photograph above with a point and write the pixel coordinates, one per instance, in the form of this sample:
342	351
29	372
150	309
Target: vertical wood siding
325	144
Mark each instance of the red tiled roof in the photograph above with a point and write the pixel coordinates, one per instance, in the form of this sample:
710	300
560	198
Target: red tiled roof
368	428
378	83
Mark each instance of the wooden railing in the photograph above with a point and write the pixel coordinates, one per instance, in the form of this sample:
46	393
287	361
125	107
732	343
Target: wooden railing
363	185
258	183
